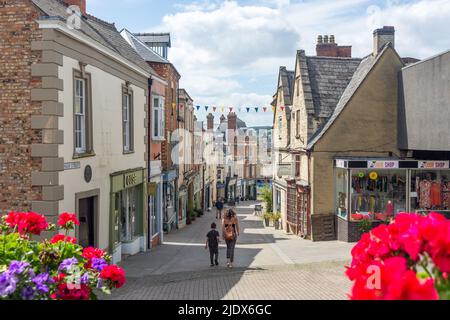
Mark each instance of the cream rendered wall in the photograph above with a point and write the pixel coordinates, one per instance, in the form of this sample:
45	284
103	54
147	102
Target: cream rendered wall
107	139
298	104
367	127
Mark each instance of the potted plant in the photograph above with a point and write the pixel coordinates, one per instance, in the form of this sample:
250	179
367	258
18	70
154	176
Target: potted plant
267	217
54	269
276	218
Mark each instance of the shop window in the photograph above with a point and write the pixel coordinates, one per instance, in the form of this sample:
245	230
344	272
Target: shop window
430	190
377	194
341	197
129	220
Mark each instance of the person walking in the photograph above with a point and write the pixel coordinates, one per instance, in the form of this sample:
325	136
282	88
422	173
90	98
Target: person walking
230	232
219	207
212	242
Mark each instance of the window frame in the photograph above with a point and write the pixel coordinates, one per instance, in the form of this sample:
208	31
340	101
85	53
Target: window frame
88	150
128	92
160	115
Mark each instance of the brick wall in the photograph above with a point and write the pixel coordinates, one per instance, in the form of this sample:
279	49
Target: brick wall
17	27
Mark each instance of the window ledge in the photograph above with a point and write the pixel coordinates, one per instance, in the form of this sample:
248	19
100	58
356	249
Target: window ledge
128	152
158	139
84	155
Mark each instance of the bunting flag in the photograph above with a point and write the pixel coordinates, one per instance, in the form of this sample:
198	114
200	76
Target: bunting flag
264	109
282	108
231	109
181	106
222	109
239	109
248	110
198	108
256	109
206	108
214	109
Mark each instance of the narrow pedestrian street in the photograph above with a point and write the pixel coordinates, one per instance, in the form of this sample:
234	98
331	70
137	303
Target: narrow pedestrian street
269	265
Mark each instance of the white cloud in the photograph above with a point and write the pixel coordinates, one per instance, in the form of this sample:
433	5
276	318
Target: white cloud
217	44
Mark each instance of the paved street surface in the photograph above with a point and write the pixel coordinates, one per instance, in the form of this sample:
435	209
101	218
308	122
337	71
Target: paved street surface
269	265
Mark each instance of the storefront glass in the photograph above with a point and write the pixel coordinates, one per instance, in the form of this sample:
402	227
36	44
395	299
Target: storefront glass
128	219
430	190
377	194
341	198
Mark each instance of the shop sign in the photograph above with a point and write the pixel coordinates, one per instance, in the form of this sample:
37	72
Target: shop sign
72	165
433	164
340	164
382	164
151	188
284	170
130	180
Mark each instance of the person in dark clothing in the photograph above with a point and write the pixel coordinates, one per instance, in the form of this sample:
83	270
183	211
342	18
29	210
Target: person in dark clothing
212	242
219	207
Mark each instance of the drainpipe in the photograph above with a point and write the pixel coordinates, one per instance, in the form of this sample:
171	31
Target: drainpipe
149	113
308	219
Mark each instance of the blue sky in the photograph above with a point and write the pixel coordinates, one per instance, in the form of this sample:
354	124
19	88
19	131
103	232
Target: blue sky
229	52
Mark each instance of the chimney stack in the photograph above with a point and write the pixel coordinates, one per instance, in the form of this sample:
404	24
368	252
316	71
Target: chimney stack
383	36
210	122
327	47
222	119
79	3
232	117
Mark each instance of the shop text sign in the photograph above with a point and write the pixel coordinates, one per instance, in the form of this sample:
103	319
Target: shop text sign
433	164
383	164
130	180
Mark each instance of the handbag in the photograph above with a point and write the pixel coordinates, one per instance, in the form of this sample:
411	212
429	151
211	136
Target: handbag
229	232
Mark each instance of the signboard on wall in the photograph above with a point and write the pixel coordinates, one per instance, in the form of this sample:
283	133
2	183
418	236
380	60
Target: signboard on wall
433	164
284	169
382	164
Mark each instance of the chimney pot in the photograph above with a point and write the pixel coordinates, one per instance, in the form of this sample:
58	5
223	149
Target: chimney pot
79	3
320	39
325	39
332	39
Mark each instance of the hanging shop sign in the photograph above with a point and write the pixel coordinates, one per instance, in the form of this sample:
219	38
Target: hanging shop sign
340	164
284	170
433	164
151	188
373	175
382	164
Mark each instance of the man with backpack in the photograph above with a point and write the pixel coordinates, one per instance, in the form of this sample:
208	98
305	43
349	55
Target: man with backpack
219	207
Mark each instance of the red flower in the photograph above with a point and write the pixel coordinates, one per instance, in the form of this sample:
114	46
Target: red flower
13	219
30	222
114	274
90	253
63	238
66	291
68	220
392	280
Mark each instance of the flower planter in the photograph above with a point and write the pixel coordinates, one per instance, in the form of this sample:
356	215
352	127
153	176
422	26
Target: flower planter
267	222
56	269
276	224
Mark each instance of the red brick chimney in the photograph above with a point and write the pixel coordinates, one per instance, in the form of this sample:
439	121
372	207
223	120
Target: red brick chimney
80	3
232	118
327	47
210	122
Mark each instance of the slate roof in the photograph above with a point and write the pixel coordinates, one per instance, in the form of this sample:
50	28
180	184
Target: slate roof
287	84
141	48
358	78
328	78
98	30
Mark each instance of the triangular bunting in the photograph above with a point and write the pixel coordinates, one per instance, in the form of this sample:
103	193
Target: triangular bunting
198	108
282	108
264	109
214	109
206	108
222	109
248	109
231	109
256	109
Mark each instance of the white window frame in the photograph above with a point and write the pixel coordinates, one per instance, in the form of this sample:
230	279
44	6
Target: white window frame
158	117
126	122
80	133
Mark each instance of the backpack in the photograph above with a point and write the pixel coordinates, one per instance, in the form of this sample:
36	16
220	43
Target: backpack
229	232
